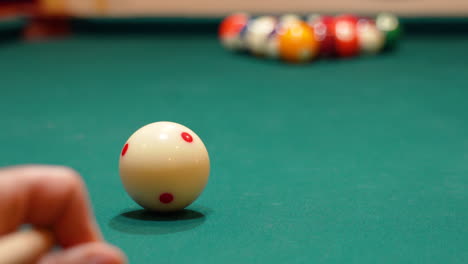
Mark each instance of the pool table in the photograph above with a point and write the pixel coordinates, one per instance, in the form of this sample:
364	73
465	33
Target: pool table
360	160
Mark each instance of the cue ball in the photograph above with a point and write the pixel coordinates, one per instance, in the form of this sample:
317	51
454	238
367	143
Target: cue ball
164	166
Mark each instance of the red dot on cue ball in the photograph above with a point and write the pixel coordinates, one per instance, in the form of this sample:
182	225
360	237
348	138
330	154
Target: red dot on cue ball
187	137
166	198
124	150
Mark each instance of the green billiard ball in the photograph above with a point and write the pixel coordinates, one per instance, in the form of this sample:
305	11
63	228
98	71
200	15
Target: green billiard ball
391	27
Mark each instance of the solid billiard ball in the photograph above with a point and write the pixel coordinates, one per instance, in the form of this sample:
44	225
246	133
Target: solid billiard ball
257	32
297	43
164	166
346	36
230	31
371	39
324	33
272	42
286	19
391	28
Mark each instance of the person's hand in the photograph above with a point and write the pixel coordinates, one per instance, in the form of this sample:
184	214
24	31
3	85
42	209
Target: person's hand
54	198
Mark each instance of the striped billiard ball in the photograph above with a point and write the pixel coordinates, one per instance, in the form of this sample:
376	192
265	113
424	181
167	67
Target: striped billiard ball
390	26
230	31
257	33
371	39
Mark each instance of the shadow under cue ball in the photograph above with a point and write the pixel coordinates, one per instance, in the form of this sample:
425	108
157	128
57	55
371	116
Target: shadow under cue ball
164	166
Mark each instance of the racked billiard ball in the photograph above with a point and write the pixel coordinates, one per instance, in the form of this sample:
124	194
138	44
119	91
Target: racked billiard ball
371	39
164	166
391	28
257	32
286	19
297	43
346	36
272	43
230	31
324	33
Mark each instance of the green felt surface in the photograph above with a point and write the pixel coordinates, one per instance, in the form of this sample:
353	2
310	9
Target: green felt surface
346	161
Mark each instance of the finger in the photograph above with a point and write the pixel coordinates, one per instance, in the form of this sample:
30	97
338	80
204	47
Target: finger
25	246
91	253
47	196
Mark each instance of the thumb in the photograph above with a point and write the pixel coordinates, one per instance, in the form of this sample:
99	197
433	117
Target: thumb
90	253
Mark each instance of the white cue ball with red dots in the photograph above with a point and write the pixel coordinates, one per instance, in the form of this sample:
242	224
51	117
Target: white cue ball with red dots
164	166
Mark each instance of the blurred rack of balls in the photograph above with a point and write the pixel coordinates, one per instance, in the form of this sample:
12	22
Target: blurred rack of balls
302	39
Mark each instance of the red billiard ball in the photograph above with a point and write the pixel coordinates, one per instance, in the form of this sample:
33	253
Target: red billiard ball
324	33
230	31
347	44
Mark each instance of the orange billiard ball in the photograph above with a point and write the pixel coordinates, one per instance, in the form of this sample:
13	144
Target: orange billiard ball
297	42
